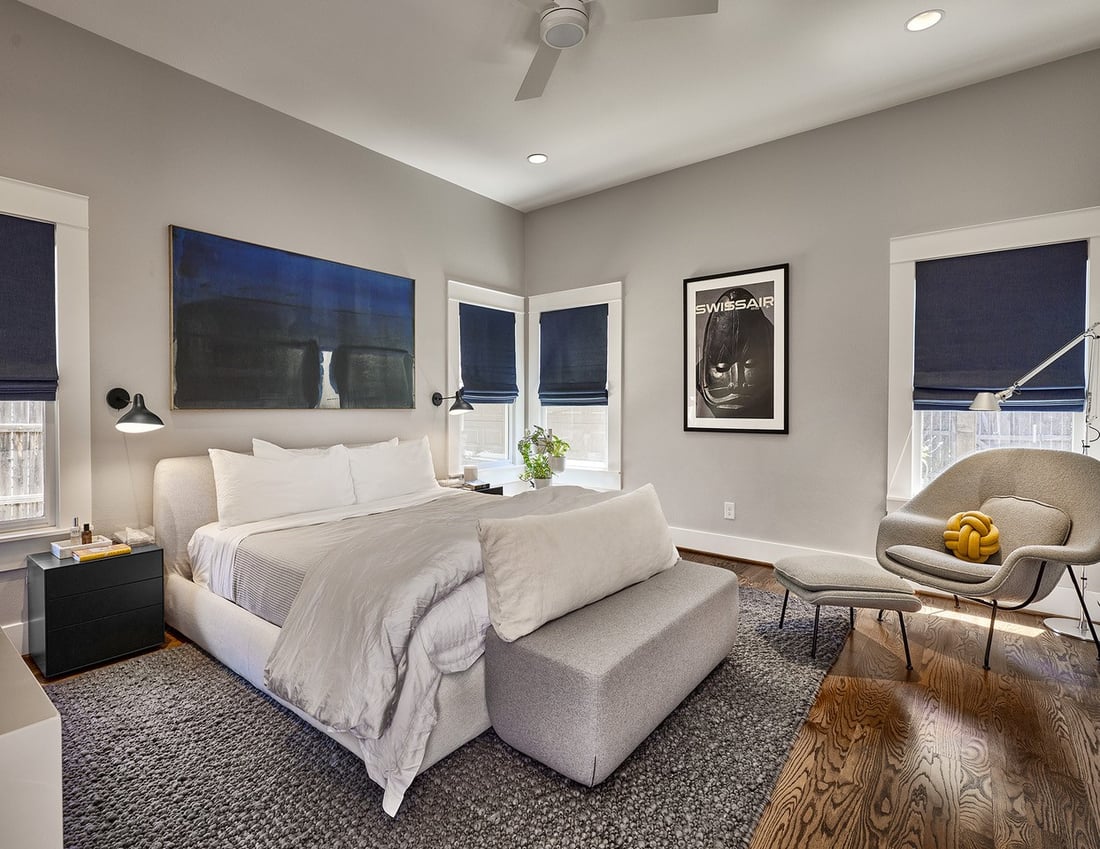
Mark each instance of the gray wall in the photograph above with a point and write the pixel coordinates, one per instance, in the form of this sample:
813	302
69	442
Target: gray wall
827	202
152	147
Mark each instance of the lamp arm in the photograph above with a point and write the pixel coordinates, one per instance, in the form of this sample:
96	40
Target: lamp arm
1091	332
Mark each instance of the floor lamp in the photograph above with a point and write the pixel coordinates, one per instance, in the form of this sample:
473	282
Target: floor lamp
991	402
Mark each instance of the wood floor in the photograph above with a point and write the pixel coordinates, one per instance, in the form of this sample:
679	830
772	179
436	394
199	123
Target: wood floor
947	755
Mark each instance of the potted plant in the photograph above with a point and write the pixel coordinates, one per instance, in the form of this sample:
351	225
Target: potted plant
556	448
534	448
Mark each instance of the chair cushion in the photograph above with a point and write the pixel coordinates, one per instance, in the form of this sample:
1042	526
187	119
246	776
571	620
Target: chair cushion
1024	521
941	564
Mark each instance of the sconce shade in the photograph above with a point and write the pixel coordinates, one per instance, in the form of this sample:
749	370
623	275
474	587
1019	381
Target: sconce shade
139	419
460	406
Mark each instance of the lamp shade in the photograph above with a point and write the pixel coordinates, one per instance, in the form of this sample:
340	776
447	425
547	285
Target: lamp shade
139	419
460	406
985	402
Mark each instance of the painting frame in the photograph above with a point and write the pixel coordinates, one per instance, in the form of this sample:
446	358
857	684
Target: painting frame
736	351
257	327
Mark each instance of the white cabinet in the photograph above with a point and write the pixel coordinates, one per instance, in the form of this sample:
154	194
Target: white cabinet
30	758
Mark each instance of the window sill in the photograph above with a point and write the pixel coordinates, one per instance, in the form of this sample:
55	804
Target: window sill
33	533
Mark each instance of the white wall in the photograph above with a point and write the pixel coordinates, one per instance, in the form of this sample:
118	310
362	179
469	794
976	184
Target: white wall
150	147
827	202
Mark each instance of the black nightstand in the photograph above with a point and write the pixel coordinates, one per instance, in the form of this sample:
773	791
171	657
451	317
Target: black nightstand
489	490
87	613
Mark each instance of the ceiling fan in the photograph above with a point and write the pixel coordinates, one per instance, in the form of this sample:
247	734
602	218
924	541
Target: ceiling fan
564	24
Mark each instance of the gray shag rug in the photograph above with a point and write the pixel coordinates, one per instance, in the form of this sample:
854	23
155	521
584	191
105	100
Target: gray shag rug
171	749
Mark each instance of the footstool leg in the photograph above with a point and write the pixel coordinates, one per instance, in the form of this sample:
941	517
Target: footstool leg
905	641
783	613
817	617
880	615
852	618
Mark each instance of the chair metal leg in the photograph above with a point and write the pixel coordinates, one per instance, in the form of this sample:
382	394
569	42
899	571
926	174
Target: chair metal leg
905	641
1085	609
817	617
956	602
880	615
783	614
989	639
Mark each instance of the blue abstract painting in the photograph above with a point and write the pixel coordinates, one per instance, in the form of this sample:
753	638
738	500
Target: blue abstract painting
257	327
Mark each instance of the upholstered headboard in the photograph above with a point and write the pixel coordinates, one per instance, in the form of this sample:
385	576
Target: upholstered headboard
184	499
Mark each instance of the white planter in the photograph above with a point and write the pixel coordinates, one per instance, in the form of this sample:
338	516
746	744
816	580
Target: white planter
557	464
539	483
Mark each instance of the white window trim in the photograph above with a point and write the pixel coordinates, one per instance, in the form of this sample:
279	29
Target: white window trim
902	473
605	293
479	296
71	427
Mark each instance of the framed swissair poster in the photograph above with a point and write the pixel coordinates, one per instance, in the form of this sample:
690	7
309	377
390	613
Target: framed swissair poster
735	351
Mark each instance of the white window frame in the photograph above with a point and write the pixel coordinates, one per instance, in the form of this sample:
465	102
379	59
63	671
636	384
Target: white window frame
458	293
903	457
605	293
67	438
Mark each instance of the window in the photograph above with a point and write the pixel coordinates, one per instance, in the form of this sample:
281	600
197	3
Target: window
45	450
960	352
22	463
478	354
28	367
922	442
575	363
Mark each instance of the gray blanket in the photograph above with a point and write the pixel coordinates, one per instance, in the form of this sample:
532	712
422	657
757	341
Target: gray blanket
342	652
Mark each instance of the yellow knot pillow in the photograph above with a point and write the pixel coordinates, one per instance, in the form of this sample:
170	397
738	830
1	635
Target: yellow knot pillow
972	536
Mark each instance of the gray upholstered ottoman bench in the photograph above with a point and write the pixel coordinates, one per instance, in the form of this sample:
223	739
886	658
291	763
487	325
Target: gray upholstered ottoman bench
837	579
581	692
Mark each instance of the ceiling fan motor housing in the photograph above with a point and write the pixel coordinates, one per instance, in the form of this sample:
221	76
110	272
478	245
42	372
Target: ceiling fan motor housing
565	24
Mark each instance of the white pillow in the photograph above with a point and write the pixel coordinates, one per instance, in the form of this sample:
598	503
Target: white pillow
385	470
250	489
263	448
538	568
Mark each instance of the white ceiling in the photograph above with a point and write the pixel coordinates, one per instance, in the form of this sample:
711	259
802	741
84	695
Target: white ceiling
431	82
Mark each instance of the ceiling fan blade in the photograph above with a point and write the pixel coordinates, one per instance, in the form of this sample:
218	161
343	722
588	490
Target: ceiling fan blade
538	75
640	10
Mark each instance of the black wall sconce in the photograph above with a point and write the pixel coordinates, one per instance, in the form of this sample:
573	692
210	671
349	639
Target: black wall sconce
460	406
139	419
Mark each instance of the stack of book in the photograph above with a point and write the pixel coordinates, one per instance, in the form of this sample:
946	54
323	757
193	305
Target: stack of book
98	548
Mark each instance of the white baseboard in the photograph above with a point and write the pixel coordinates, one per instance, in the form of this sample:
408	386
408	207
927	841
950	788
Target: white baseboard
745	548
16	632
1061	602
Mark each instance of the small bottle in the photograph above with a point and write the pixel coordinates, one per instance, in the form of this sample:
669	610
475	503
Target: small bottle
74	532
86	536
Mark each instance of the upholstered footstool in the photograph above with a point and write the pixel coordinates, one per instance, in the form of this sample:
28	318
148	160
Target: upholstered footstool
581	692
836	579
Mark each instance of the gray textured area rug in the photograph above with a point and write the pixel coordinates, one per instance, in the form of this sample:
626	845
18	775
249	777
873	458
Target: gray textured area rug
171	749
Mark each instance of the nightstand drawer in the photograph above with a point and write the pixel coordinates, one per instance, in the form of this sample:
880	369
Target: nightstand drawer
86	607
75	578
103	639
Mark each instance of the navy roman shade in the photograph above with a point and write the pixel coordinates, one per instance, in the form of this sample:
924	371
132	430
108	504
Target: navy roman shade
573	357
487	343
985	320
28	324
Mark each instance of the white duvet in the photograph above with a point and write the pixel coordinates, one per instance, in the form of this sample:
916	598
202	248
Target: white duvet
397	601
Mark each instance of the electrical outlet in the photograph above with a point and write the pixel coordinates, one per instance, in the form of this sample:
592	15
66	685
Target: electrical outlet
729	512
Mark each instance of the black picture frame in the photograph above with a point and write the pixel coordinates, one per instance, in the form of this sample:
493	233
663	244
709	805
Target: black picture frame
735	351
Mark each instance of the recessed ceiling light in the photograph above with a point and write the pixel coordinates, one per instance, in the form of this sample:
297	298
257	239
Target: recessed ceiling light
924	20
537	158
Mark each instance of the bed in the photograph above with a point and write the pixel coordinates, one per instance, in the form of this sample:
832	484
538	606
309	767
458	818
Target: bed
438	703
